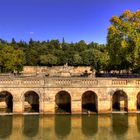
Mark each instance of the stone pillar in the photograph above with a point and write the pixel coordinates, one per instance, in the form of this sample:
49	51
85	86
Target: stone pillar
18	106
48	106
132	107
76	107
41	105
104	105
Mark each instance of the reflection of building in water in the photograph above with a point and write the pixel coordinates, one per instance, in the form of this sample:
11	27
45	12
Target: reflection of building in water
120	124
62	126
6	124
31	125
97	127
138	122
89	125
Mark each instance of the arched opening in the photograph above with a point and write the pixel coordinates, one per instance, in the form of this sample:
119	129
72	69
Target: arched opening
89	102
31	102
119	101
6	102
138	102
63	102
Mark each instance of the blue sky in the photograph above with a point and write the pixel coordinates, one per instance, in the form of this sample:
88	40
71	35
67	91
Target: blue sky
53	19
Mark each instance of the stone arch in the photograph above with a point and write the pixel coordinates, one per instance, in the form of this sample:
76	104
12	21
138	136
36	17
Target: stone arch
138	102
63	102
119	101
6	102
29	90
31	101
89	102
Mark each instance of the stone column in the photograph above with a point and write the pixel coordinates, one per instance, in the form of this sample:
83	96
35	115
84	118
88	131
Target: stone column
48	106
76	107
132	105
104	105
41	105
18	106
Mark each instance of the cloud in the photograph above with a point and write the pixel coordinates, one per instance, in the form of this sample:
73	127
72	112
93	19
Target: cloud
31	33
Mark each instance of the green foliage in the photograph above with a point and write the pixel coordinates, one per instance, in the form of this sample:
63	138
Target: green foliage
15	54
48	59
11	60
124	41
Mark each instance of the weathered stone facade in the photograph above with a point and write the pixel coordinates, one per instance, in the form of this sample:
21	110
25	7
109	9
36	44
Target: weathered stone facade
57	70
48	87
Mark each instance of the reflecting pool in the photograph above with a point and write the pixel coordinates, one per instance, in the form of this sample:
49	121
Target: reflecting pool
70	127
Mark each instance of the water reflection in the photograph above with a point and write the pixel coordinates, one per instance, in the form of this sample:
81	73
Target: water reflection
5	126
62	125
138	122
31	125
120	124
67	127
89	125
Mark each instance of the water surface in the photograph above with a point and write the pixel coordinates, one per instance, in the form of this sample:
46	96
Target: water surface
70	127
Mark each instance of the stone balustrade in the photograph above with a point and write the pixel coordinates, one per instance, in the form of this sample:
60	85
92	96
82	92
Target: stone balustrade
66	82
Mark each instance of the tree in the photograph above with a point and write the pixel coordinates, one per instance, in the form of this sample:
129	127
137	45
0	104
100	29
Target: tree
49	59
11	59
124	41
77	59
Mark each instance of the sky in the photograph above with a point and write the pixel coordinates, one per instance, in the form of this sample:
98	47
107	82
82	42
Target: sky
74	20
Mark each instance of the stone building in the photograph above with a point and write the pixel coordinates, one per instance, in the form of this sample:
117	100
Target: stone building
75	95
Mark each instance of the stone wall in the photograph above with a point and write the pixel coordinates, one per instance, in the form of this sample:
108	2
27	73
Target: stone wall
48	87
57	70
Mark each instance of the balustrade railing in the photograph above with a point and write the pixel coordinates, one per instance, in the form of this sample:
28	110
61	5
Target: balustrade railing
67	82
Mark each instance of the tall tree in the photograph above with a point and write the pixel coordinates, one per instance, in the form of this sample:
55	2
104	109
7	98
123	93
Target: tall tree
124	40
